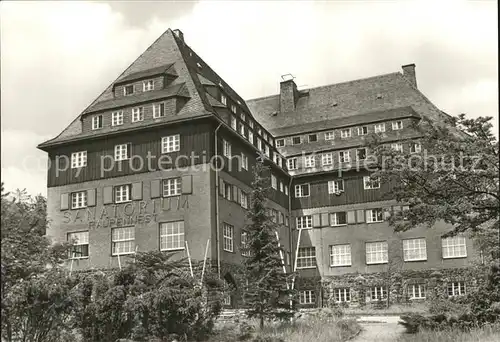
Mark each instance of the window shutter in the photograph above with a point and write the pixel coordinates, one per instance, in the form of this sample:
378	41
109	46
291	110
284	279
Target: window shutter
137	191
221	187
325	220
361	216
316	220
129	150
368	218
91	197
351	217
187	184
235	194
155	188
64	201
107	195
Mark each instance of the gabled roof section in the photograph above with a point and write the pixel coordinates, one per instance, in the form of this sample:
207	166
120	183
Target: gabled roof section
164	69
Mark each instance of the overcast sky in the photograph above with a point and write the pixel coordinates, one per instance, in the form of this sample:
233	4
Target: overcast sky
56	57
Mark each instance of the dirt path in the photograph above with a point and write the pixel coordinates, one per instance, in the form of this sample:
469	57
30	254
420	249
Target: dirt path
379	329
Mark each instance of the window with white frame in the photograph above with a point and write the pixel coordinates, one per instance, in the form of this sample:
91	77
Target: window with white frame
226	149
78	159
304	222
379	128
340	255
344	156
250	136
171	143
280	142
327	159
286	190
274	182
309	161
312	137
338	218
123	240
374	215
122	152
244	244
397	147
259	144
363	130
415	148
128	90
282	186
228	237
345	133
242	116
376	252
267	152
361	153
158	110
172	187
244	161
148	85
244	200
117	118
250	123
302	190
97	121
137	114
242	129
329	135
414	249
223	99
378	293
454	247
122	193
307	297
342	295
296	140
291	163
228	192
371	183
79	245
397	125
171	236
335	186
456	288
78	199
233	108
226	300
306	258
234	122
416	291
264	135
259	131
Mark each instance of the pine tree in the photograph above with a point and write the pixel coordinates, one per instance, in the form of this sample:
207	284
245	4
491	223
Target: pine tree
269	288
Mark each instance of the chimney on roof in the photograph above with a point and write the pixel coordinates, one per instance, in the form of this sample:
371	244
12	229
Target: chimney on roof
409	73
179	34
288	93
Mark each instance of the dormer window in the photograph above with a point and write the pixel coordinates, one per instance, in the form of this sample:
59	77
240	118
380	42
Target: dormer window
97	122
158	110
128	90
148	85
223	99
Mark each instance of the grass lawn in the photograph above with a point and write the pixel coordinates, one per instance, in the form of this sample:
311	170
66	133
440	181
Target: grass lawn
394	309
486	334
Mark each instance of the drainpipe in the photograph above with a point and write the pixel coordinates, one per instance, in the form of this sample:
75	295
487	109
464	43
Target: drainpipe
290	231
217	225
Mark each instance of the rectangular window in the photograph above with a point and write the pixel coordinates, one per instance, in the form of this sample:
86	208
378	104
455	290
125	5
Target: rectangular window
329	135
171	236
275	215
374	215
128	90
259	144
148	85
344	156
342	295
296	141
122	152
244	244
274	182
228	191
242	117
456	288
97	121
313	138
282	186
416	291
302	190
340	255
280	142
415	148
158	110
304	222
244	200
286	190
79	245
78	199
223	99
376	252
378	292
123	240
397	125
267	151
363	130
335	186
361	153
226	149
454	247
282	218
345	133
122	193
137	114
338	219
250	136
291	163
307	297
250	123
242	129
244	161
172	143
306	257
78	159
117	118
233	108
414	249
309	161
172	187
234	123
379	128
228	235
327	159
371	184
397	147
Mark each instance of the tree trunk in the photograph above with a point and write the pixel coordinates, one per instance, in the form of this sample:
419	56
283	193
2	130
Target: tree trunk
261	322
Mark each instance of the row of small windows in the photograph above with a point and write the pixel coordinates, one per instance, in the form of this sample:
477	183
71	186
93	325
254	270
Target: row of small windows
414	249
342	133
137	115
336	186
